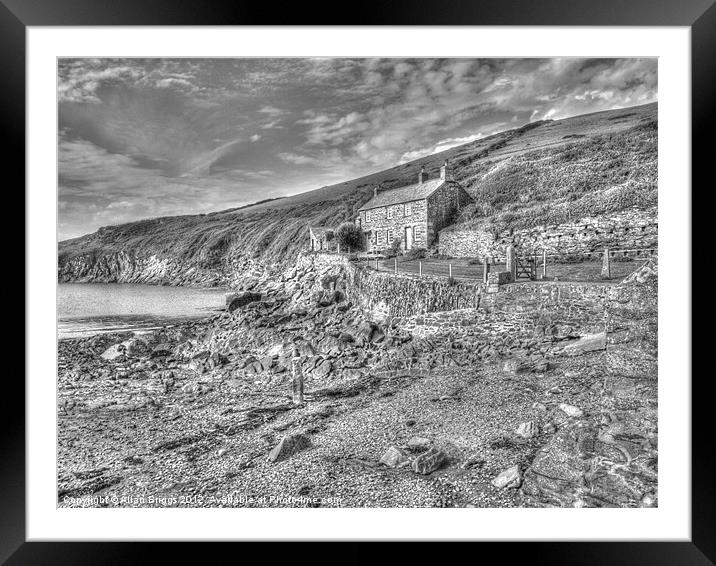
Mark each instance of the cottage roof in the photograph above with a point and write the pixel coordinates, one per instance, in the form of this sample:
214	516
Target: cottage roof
408	193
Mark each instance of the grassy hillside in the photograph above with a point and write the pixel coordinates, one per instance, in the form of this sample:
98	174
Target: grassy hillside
544	172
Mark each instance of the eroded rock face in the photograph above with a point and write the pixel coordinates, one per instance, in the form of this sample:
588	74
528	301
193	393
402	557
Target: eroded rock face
288	446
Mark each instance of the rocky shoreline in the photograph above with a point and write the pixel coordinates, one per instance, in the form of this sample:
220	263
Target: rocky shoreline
202	414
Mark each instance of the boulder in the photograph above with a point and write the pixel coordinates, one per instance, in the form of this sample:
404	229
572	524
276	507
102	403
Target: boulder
322	370
428	461
585	344
571	410
418	443
240	300
393	457
162	350
289	445
113	352
137	348
512	366
510	478
527	430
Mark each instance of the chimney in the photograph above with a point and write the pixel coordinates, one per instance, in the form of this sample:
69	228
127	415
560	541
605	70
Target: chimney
445	173
423	175
375	192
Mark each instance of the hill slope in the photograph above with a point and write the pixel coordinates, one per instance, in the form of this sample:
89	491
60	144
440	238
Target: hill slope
544	172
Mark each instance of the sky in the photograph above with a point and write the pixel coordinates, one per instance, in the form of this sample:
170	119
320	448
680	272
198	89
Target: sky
141	138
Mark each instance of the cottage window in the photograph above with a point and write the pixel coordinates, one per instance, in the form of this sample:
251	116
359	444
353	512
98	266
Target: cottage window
408	208
389	236
367	216
390	212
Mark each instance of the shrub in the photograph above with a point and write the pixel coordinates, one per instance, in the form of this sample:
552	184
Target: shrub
474	261
349	236
415	253
396	245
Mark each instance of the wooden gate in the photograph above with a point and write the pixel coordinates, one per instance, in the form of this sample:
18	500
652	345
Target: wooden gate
526	268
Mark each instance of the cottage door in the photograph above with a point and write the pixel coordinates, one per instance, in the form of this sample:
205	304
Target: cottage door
408	237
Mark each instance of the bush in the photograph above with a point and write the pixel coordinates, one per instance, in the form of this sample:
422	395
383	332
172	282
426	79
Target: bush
415	253
396	246
349	236
474	261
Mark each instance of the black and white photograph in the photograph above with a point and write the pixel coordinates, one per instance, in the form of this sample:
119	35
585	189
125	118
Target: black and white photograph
357	282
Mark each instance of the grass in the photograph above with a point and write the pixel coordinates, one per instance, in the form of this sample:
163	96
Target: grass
582	271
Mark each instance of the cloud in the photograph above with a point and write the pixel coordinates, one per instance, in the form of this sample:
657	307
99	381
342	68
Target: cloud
170	136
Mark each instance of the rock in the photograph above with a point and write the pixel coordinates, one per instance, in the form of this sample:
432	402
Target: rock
587	343
510	478
266	363
393	457
511	366
305	349
216	360
418	443
345	338
241	300
288	446
162	350
428	461
571	410
136	348
113	352
322	370
527	430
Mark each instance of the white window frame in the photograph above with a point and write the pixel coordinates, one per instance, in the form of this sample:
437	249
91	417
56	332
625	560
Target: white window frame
391	211
408	209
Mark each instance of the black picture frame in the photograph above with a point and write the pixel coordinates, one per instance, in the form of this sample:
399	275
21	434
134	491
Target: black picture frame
699	15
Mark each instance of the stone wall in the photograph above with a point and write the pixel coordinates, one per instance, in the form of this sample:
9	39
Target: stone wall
628	229
524	310
404	295
386	294
444	206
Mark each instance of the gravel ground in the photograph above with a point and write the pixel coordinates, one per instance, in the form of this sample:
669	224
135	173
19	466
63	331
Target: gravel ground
192	446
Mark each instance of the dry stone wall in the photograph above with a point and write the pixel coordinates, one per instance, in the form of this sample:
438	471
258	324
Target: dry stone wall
628	229
389	295
525	310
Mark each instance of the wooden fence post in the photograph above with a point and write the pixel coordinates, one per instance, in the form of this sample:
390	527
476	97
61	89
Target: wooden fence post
544	264
606	265
485	269
420	267
376	265
395	263
450	269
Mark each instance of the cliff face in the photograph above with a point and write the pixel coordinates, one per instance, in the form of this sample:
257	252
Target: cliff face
130	267
539	174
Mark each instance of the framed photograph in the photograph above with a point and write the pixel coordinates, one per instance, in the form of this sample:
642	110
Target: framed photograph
421	275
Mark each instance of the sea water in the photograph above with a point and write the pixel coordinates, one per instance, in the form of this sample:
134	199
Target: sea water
84	309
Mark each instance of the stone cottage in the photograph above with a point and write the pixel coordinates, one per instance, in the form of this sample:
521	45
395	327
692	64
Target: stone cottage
415	213
321	239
